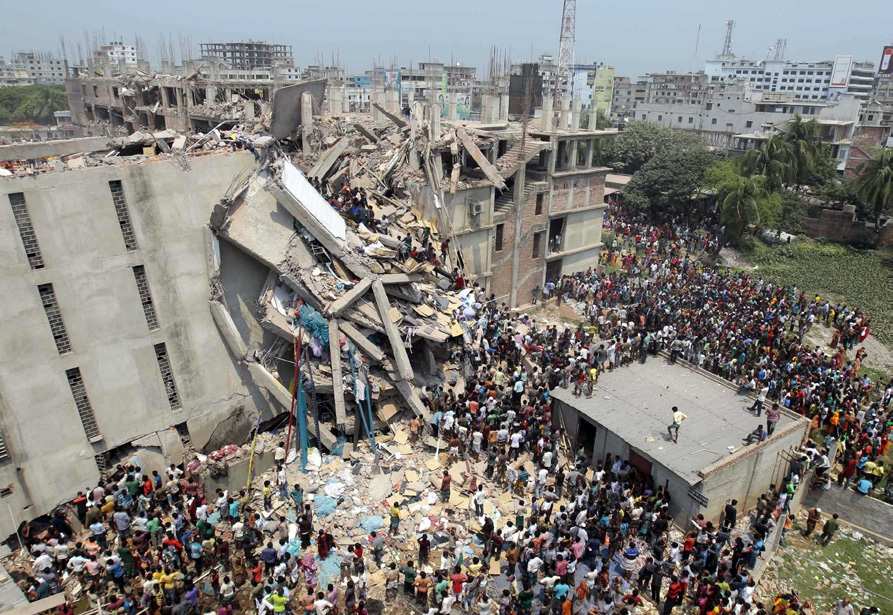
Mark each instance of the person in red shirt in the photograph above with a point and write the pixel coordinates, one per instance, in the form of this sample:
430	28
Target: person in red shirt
458	580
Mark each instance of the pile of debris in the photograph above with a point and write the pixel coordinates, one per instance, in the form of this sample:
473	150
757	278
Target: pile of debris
377	323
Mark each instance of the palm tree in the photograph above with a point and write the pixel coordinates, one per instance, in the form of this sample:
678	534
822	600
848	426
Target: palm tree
741	205
876	183
772	160
805	143
41	105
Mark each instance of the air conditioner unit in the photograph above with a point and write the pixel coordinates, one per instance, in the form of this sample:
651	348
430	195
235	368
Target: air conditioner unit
476	207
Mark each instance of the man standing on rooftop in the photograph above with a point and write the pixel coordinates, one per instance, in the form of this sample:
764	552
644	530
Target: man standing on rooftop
673	429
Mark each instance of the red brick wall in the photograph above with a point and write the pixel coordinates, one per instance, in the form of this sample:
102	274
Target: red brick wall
560	195
840	226
580	192
865	139
530	271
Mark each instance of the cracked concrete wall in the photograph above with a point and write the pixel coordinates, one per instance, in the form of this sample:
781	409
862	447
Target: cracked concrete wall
87	263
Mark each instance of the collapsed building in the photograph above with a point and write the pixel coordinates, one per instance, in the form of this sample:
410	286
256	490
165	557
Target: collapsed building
167	290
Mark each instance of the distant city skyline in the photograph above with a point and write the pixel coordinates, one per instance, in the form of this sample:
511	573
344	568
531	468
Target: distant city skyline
636	39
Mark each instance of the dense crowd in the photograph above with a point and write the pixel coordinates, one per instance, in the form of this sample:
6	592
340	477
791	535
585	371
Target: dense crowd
587	536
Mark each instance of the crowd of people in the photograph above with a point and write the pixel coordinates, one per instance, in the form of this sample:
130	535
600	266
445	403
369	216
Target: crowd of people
587	536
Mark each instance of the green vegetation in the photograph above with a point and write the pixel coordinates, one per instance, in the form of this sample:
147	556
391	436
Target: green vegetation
31	103
639	142
860	278
876	183
670	178
846	568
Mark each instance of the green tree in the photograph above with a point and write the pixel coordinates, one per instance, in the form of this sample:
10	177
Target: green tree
772	160
876	183
750	203
806	147
639	142
31	103
670	180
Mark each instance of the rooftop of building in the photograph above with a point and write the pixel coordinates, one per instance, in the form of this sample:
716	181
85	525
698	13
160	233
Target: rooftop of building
635	403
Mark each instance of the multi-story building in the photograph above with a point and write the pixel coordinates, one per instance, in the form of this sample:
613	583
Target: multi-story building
525	88
432	80
116	52
674	88
592	81
249	55
547	220
626	96
110	350
737	117
11	76
164	101
42	68
802	80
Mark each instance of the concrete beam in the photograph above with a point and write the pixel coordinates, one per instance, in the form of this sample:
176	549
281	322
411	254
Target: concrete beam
412	399
337	307
399	278
370	350
366	133
228	329
328	160
404	368
489	170
266	380
337	383
400	122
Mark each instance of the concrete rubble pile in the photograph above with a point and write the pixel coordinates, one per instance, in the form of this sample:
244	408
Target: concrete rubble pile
373	320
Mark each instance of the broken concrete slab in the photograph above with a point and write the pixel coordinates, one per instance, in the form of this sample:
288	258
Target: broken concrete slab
365	132
224	322
489	170
328	159
286	113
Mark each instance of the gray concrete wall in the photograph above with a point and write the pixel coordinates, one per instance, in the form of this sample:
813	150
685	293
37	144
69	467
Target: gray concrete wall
608	443
91	271
749	475
857	509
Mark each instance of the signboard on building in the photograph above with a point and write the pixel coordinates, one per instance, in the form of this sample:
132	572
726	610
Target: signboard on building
698	497
603	90
840	74
886	65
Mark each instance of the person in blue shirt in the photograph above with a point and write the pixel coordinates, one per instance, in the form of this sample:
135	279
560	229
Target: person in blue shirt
435	422
864	486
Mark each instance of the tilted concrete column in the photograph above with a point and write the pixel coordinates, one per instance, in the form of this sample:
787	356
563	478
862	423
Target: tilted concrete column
564	119
306	122
590	147
504	107
453	106
401	358
576	108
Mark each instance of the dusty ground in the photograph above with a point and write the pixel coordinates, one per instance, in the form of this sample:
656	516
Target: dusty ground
851	566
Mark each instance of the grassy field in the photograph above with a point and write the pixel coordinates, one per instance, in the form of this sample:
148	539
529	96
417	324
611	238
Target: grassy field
860	278
846	568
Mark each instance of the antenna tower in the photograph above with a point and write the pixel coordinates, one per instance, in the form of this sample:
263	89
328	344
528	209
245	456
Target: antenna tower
727	45
780	45
566	47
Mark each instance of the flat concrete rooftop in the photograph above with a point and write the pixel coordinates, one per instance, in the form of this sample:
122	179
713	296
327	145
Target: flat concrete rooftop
635	403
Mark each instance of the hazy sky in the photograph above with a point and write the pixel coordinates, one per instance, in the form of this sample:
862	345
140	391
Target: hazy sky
635	36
